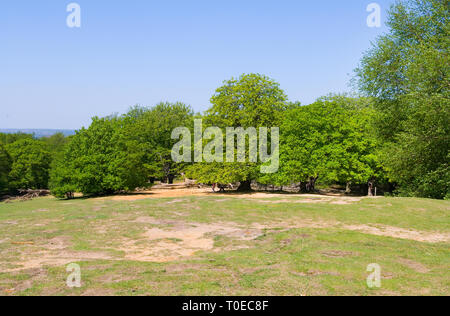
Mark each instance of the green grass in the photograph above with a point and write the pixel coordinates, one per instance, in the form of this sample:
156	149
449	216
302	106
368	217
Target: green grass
284	259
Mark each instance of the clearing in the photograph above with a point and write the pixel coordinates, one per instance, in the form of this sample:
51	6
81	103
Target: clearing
194	242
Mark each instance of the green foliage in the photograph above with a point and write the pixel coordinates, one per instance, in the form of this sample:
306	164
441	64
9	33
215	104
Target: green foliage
253	100
222	173
62	181
100	160
30	164
330	139
5	168
407	71
152	129
56	143
25	162
434	184
7	139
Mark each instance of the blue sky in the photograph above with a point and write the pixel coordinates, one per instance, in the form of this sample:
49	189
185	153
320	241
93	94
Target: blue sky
142	52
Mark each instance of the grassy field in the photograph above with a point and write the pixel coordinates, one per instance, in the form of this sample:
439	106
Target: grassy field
225	245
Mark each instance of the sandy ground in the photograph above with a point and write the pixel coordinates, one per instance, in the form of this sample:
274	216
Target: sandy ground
179	190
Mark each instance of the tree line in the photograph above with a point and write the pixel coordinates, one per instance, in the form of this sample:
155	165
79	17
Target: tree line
395	132
25	162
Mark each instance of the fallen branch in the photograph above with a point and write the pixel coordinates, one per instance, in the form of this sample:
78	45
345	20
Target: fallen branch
26	195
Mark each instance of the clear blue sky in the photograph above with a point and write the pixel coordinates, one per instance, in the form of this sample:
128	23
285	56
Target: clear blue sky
145	51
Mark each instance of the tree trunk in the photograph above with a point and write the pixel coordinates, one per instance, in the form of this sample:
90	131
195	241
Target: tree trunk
245	186
311	185
348	188
371	184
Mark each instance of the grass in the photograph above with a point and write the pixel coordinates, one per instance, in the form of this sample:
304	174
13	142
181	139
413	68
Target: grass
110	241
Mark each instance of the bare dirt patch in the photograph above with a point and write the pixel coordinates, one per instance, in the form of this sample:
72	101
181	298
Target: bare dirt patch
51	252
180	191
177	201
57	243
340	202
178	239
181	239
416	266
6	223
377	230
55	258
401	233
161	193
40	211
36	276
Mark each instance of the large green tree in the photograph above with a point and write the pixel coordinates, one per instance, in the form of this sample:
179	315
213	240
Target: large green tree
101	159
251	101
30	164
407	72
330	139
152	129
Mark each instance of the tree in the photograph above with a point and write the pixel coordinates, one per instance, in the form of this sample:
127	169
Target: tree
62	181
30	164
251	101
100	160
5	168
56	143
407	72
152	129
330	140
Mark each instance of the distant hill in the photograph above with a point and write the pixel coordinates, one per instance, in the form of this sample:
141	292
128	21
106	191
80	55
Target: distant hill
38	133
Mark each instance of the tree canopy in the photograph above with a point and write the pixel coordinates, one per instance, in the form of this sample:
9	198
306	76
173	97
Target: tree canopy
251	101
152	129
330	139
30	164
100	160
407	72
